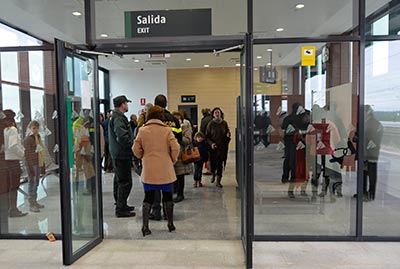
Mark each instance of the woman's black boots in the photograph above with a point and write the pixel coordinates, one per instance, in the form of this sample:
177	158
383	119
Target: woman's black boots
169	206
146	212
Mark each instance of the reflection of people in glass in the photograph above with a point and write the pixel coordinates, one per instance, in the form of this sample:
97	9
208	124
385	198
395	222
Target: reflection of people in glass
289	126
13	154
261	123
35	161
373	139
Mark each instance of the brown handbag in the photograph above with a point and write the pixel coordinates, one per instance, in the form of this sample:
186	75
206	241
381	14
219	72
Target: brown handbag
190	155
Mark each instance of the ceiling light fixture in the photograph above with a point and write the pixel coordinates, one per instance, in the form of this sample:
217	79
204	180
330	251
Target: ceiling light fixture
188	59
76	13
269	50
104	35
206	65
259	57
136	60
269	63
237	64
255	69
279	29
299	6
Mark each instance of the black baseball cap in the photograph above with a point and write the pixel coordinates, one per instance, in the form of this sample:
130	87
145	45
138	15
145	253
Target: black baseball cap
119	100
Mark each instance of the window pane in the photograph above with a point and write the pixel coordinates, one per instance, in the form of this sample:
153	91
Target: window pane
228	17
9	66
37	111
382	140
303	183
10	37
36	68
285	18
11	97
101	84
382	17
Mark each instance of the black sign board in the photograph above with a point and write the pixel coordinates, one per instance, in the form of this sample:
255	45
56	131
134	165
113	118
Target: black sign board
184	22
188	98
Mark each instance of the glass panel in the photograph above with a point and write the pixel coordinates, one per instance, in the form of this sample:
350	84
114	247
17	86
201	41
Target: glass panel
101	85
9	66
11	37
383	17
110	14
382	139
31	203
36	68
287	18
82	155
304	172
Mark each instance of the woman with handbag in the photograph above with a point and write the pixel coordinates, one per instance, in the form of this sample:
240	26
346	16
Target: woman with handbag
182	169
13	154
157	147
218	137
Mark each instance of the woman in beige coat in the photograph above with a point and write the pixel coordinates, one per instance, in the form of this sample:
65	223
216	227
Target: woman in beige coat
158	148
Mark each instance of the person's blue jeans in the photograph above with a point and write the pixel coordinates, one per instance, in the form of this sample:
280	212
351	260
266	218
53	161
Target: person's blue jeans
33	182
198	167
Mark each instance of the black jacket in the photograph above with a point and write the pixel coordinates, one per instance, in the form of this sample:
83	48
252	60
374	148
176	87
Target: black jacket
120	136
173	122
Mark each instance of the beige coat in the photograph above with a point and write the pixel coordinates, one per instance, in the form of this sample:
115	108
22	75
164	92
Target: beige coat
158	148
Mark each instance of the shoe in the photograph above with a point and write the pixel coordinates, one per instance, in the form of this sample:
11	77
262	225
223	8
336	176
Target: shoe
125	214
200	185
284	180
195	184
155	214
145	231
291	194
303	193
169	208
34	208
179	198
16	214
213	179
218	184
39	205
129	208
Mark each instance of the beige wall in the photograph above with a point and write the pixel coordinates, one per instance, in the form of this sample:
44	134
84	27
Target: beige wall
212	87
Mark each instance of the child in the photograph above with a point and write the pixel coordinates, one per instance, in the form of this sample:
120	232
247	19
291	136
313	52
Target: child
200	143
35	160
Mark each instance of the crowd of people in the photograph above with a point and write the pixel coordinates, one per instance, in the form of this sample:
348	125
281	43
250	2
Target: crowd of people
154	143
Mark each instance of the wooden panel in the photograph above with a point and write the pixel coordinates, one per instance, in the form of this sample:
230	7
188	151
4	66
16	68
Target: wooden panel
213	87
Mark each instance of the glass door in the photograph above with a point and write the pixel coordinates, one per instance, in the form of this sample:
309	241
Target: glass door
245	172
79	152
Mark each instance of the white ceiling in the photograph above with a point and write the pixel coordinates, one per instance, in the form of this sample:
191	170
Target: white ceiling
49	19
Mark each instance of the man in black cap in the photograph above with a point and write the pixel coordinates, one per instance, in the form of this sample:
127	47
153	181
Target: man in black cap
120	143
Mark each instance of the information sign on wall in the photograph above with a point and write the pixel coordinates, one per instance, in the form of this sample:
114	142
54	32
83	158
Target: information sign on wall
308	55
184	22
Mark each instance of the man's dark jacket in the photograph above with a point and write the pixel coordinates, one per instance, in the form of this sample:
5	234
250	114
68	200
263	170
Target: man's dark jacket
120	136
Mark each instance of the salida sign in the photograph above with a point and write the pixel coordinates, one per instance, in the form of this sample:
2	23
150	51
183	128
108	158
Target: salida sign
182	22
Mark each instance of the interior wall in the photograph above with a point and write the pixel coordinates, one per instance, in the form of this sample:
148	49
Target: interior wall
137	84
213	87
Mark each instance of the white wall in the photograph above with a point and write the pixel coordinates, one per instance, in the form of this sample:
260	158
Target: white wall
136	84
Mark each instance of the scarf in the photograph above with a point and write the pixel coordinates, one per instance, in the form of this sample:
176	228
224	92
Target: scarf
40	151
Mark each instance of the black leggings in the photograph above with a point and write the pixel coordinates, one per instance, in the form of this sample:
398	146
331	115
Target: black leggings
149	196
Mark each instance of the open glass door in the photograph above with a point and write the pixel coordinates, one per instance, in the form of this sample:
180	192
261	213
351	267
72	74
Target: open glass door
245	171
80	173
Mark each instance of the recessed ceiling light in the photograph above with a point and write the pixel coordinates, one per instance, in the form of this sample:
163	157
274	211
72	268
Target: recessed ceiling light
104	35
299	6
279	29
136	60
269	64
188	59
206	65
269	49
255	69
237	64
76	13
259	57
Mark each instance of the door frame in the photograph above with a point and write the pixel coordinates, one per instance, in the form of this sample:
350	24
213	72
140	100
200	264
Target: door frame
63	49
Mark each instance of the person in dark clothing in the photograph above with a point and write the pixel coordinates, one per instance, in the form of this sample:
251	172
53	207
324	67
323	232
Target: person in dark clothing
107	157
218	137
203	127
261	123
133	123
289	126
200	142
121	141
175	126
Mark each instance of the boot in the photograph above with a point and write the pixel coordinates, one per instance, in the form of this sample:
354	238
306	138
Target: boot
146	212
170	215
164	211
13	211
213	178
155	213
219	182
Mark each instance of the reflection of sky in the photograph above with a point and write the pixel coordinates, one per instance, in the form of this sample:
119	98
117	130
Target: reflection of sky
36	102
382	88
10	97
315	91
10	37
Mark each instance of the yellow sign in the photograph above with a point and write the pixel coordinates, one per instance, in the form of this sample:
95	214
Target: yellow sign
308	55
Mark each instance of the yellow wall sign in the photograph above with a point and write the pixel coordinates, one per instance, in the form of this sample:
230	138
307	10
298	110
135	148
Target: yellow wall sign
308	55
